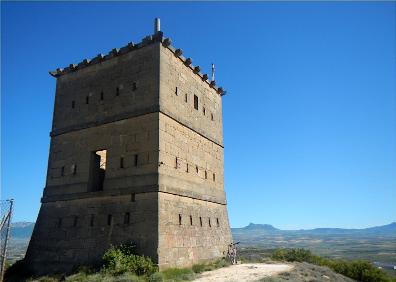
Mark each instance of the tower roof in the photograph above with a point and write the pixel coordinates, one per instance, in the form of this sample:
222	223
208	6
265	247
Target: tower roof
130	47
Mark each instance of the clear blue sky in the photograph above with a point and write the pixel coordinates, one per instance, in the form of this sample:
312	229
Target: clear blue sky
309	118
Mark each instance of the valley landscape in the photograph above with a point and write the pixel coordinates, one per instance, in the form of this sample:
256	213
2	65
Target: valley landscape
376	244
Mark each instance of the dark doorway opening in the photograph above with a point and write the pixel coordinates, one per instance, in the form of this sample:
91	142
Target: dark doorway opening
97	170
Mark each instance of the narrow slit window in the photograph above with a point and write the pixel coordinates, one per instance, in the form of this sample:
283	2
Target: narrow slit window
87	100
134	86
200	221
187	167
204	111
196	102
92	220
127	218
74	169
206	174
176	164
210	224
180	219
191	221
214	177
196	169
211	116
73	104
122	162
109	219
133	197
176	91
59	222
185	98
217	222
75	221
135	160
62	171
101	96
117	91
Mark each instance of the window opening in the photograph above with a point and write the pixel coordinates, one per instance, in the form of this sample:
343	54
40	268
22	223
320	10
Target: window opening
97	170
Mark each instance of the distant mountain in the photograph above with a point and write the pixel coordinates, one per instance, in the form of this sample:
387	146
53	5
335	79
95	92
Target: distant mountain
389	229
263	227
22	230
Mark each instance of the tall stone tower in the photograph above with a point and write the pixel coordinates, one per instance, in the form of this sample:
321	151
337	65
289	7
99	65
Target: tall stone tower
136	155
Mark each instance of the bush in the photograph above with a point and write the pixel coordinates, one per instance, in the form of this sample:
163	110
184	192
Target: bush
121	259
299	255
359	270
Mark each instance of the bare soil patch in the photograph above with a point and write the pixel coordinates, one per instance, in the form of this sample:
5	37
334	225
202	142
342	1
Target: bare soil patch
244	272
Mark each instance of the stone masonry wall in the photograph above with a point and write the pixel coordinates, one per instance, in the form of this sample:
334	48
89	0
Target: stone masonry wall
69	234
128	139
191	231
191	165
126	84
179	103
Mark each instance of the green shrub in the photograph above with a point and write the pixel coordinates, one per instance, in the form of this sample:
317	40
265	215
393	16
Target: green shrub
121	259
299	255
358	270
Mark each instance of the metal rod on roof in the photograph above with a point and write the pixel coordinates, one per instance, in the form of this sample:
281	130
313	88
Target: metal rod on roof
213	72
157	25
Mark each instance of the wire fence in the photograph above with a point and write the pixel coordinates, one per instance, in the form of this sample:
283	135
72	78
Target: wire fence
5	223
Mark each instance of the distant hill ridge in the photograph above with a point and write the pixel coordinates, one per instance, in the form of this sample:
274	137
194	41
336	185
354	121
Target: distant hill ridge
389	229
25	229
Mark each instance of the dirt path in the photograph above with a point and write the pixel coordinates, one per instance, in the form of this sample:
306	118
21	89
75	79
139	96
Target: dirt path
243	272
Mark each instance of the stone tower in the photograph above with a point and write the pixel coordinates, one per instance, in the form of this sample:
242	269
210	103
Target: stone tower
136	155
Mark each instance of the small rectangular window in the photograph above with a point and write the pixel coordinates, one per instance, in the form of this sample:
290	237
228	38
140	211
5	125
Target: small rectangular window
126	218
176	91
117	91
75	221
196	102
87	100
204	111
214	177
210	224
62	171
109	219
206	174
135	162
134	86
191	223
211	116
133	197
217	222
101	96
91	222
59	222
73	104
180	219
185	98
200	221
122	162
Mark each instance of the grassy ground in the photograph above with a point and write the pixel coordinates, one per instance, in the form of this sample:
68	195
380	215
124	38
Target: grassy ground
169	275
